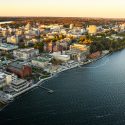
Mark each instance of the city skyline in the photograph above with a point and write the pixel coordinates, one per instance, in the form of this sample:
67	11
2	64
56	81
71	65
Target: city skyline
65	8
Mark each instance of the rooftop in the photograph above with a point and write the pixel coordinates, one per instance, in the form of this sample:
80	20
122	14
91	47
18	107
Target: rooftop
16	65
5	46
26	50
19	81
41	59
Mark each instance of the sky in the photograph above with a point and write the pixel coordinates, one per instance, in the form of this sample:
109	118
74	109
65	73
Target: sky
63	8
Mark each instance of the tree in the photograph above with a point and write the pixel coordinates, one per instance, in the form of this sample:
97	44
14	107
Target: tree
93	48
53	43
39	46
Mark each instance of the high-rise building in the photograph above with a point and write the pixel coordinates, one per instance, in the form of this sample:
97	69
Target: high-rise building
71	26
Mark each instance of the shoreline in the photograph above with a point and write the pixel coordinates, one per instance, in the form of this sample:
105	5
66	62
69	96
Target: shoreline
42	80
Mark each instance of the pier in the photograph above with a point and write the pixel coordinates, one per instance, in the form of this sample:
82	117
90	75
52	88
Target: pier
47	89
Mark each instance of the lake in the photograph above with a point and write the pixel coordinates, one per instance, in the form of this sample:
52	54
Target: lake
93	94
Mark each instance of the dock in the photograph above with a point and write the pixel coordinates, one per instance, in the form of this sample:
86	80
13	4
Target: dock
47	89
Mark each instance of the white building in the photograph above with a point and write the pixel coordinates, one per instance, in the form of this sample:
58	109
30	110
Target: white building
20	85
28	26
71	26
63	57
40	62
7	78
83	30
122	27
13	77
25	53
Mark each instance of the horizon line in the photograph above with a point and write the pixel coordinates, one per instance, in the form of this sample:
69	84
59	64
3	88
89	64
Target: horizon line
65	17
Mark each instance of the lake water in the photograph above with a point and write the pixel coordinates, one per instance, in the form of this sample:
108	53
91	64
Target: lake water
91	95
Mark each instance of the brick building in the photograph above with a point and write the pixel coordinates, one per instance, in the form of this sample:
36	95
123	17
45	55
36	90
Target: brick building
20	70
95	55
